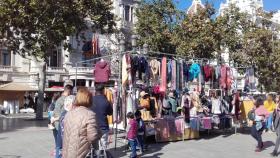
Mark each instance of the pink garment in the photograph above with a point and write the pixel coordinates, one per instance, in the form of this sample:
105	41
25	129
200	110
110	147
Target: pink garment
261	111
229	78
132	131
173	79
206	122
223	78
163	84
179	127
102	72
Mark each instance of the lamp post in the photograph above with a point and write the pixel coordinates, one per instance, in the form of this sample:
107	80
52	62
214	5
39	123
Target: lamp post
145	48
134	42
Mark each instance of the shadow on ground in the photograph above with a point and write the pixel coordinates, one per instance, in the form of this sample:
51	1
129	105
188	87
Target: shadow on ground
13	124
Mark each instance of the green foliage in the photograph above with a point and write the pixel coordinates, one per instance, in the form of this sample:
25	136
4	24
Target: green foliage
197	35
43	24
156	22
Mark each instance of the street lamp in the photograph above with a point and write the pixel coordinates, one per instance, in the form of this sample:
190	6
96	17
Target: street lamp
145	48
134	42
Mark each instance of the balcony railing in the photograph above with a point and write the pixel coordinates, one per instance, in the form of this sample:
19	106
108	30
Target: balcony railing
56	69
4	68
81	70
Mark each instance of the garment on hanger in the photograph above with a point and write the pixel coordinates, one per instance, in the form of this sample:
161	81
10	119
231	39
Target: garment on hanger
194	71
143	68
169	71
207	72
217	72
129	104
216	106
126	69
186	72
174	72
223	78
178	78
155	69
102	72
163	83
134	68
229	78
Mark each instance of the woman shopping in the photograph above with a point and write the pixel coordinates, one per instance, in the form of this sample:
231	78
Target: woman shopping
80	127
260	115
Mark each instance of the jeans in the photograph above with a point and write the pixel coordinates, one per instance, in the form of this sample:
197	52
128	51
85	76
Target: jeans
133	144
257	134
140	139
269	122
104	139
58	146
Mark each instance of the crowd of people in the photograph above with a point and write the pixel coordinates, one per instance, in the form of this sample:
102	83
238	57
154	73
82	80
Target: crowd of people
80	124
265	117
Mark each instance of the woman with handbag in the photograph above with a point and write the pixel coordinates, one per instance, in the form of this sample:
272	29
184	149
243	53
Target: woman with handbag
260	116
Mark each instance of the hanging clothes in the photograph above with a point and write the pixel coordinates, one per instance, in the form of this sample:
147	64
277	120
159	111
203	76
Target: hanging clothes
163	83
216	106
155	69
178	78
174	72
207	72
134	68
169	71
194	71
129	104
182	77
185	72
143	68
223	78
126	69
229	78
102	72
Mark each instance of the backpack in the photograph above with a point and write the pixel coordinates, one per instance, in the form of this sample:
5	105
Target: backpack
251	115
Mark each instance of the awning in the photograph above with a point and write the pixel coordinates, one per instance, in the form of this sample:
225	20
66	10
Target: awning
54	89
17	87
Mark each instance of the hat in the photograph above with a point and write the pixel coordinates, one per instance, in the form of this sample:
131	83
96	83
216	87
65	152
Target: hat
143	93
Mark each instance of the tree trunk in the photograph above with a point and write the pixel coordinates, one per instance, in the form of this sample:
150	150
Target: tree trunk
41	90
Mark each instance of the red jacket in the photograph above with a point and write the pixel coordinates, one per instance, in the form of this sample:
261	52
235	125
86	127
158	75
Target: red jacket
132	129
102	72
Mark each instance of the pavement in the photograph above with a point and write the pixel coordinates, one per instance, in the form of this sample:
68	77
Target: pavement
29	138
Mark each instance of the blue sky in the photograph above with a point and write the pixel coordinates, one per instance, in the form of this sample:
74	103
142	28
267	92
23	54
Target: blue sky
269	5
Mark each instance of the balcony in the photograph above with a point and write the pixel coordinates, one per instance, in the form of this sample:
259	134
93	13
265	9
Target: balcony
81	70
4	68
56	70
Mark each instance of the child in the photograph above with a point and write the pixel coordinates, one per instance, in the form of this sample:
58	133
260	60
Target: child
141	130
132	133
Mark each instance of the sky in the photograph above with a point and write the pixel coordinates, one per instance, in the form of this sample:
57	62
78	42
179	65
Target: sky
269	5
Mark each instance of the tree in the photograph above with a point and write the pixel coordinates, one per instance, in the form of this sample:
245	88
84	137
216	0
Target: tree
232	25
35	27
263	50
197	36
156	22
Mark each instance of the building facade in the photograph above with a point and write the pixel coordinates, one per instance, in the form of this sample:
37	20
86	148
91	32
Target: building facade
61	66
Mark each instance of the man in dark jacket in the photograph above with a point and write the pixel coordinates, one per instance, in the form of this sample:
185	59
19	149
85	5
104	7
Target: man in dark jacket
102	107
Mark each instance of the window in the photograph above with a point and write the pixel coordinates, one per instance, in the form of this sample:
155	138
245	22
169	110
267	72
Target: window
55	59
5	57
126	13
